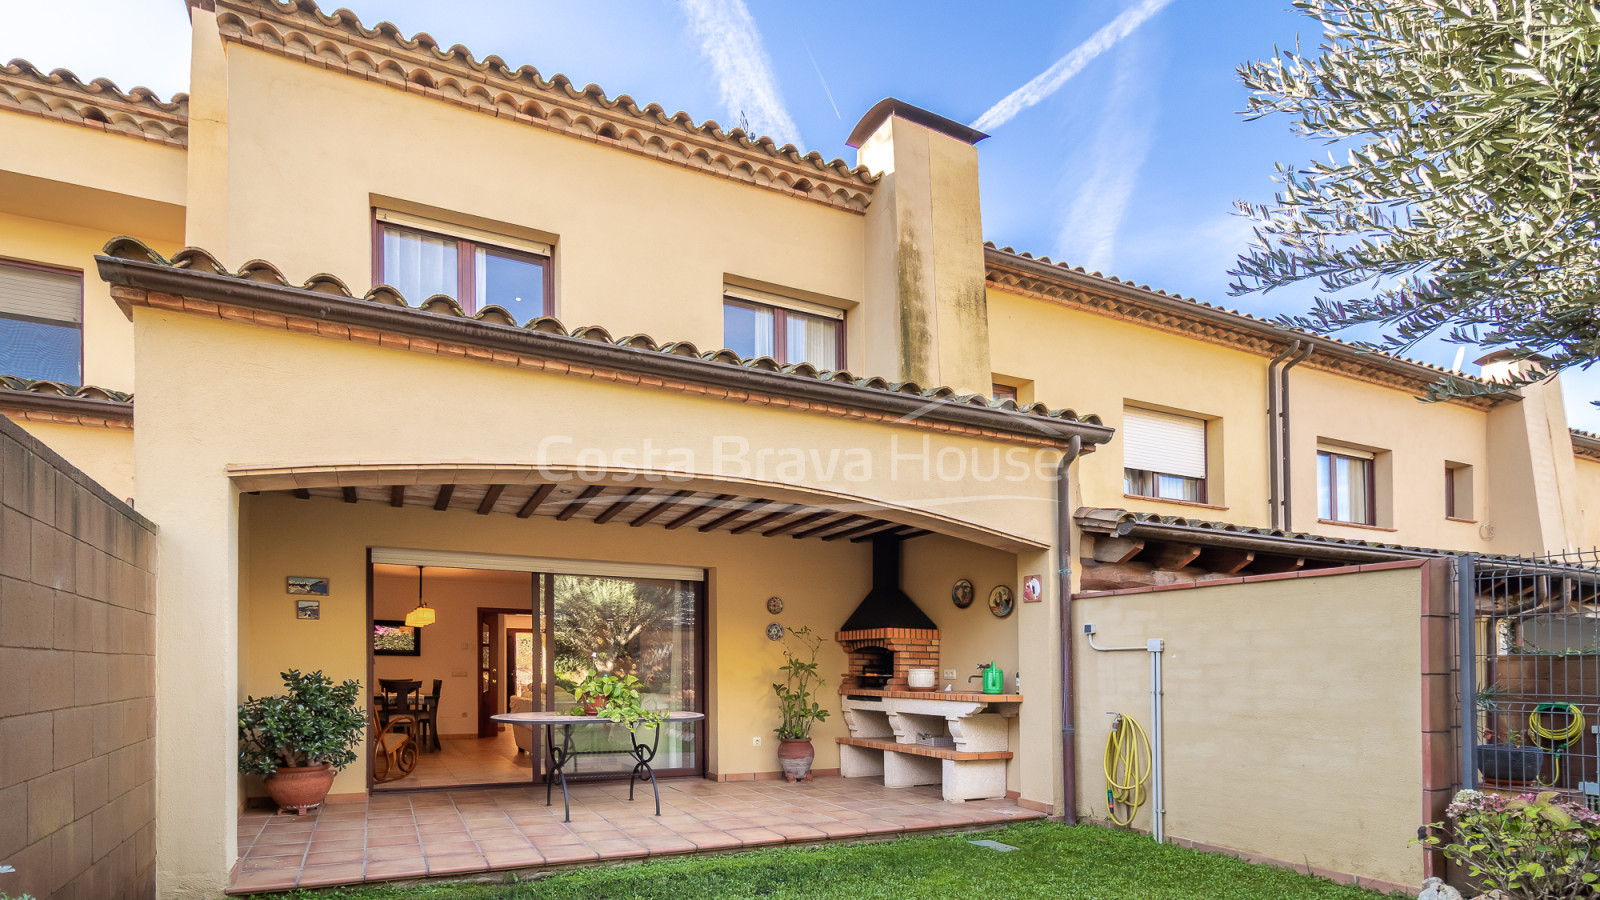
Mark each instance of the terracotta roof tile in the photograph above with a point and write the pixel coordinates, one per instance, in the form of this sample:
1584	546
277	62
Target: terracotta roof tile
382	53
195	259
59	389
98	104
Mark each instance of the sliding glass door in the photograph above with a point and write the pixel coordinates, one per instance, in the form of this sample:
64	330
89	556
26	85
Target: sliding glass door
645	627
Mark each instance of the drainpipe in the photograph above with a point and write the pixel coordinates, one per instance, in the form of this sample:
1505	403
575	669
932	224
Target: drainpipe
1158	809
1283	425
1274	474
1069	736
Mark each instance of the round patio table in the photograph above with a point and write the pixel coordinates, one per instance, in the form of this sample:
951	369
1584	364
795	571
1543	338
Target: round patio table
561	754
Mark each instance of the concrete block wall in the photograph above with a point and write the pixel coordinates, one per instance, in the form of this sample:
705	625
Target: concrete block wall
77	681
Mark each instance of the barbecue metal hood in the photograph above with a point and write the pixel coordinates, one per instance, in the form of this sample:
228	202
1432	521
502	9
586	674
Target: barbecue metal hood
886	606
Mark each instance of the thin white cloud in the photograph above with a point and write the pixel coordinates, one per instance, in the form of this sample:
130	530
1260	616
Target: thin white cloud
1051	79
730	42
1089	232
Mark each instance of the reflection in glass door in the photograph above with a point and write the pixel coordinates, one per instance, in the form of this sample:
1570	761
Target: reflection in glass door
648	628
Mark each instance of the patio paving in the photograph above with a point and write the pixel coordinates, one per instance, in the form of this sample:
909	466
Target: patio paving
438	833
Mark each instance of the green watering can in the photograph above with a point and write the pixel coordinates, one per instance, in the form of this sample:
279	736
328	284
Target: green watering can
994	680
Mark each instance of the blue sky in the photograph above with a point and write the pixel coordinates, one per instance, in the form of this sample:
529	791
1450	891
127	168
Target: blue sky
1130	166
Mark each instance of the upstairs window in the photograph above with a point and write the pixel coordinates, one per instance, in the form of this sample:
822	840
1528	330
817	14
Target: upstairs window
1458	491
1345	486
1163	455
1004	392
41	322
421	258
755	323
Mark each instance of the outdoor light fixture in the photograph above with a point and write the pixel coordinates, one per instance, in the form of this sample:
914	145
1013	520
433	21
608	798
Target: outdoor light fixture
423	614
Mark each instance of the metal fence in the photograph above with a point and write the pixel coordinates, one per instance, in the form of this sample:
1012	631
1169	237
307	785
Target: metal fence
1529	683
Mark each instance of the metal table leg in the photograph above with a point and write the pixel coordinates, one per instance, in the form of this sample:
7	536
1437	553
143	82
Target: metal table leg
643	756
558	760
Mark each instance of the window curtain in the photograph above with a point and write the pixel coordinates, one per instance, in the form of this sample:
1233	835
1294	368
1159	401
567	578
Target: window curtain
419	266
812	340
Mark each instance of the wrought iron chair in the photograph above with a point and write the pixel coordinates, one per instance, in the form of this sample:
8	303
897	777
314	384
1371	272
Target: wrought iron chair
394	753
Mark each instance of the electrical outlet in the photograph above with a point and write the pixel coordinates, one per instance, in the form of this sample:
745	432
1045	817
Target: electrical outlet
463	715
949	674
755	742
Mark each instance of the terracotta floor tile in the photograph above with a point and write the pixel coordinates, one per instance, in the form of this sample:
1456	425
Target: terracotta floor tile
544	828
322	876
568	853
515	857
377	830
619	849
391	840
378	869
447	848
400	851
355	842
503	843
751	837
456	863
565	839
669	845
794	831
334	857
712	840
266	880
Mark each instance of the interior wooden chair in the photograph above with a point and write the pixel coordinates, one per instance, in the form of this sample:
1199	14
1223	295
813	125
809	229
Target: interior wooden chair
394	753
428	715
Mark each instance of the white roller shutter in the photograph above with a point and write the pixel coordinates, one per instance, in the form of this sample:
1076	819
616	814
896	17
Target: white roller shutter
597	568
1164	443
36	294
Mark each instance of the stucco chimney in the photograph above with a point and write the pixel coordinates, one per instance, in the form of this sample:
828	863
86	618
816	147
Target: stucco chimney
1533	493
925	313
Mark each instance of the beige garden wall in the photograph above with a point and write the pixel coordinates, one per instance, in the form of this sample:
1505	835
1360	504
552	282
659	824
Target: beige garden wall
1293	714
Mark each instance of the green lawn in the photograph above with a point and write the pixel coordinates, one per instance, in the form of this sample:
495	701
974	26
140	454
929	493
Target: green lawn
1054	861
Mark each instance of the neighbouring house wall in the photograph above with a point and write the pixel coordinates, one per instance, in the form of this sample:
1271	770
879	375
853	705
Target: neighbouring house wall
449	644
77	710
1293	714
104	454
1588	480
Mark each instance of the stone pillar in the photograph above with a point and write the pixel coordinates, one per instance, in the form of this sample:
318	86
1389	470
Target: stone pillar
925	310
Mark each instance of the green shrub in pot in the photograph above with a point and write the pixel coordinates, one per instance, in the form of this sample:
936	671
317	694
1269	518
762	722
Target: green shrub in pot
615	697
302	736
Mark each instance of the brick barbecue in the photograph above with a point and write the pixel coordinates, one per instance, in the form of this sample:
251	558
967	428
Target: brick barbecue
887	636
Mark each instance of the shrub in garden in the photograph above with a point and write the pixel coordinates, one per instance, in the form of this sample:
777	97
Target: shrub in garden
1532	847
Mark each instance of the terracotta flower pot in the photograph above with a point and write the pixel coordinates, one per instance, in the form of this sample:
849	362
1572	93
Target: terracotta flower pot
301	789
593	705
796	756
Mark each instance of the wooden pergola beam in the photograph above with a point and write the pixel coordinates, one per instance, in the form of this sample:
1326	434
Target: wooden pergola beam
490	498
661	508
571	509
442	502
801	522
768	519
349	494
876	525
714	503
896	531
301	494
852	521
397	496
620	504
723	519
537	497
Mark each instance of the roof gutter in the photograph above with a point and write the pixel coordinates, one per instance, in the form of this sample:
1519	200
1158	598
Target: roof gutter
30	401
316	305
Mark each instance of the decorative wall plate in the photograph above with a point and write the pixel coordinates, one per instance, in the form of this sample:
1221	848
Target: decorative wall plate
774	605
774	632
1001	601
961	594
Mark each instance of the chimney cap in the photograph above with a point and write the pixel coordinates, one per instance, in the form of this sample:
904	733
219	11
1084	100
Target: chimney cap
889	106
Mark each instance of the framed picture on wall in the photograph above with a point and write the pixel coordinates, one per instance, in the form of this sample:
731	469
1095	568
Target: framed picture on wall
305	584
393	637
308	609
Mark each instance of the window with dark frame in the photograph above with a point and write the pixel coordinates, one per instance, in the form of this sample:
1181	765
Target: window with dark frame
474	271
41	322
1345	488
1450	492
753	329
1457	491
1004	391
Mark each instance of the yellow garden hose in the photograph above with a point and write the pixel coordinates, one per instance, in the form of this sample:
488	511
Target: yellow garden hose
1559	739
1127	766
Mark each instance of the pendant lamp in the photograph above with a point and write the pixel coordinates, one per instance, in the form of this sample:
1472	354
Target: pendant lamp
423	614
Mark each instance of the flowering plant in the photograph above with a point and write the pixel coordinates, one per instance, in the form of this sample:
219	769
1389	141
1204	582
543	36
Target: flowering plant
1531	847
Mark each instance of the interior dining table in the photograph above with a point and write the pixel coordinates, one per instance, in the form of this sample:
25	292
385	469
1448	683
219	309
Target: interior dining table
562	753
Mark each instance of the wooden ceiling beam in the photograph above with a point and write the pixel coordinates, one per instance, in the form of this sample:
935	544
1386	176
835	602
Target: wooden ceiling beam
1224	560
490	498
660	509
767	519
895	531
801	522
397	496
695	513
872	527
537	497
349	494
1108	549
620	504
571	509
738	511
301	494
442	502
849	522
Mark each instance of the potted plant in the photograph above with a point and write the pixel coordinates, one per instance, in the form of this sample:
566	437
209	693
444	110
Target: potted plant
798	704
297	741
1504	758
614	697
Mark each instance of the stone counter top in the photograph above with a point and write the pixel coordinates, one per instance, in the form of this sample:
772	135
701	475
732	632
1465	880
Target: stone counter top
955	696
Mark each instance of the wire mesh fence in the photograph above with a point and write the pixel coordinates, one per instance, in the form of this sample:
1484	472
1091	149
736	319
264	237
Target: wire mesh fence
1529	683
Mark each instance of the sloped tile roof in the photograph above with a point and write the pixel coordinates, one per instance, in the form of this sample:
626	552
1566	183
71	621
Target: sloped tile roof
262	272
1010	268
60	389
1586	444
338	41
100	104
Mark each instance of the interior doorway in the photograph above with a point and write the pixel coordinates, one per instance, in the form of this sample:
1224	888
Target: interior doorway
516	640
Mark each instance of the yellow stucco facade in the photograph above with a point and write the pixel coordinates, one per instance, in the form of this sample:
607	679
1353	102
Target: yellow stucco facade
298	129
